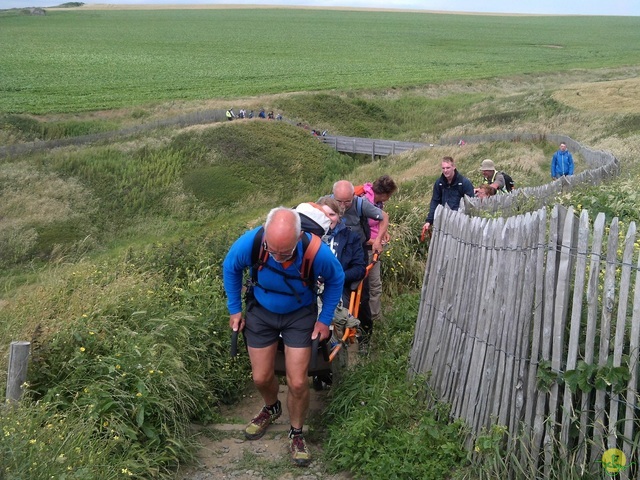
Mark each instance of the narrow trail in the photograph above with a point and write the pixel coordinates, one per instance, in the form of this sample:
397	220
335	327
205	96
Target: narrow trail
225	454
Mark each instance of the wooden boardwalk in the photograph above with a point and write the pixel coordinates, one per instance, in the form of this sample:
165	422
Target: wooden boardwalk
370	146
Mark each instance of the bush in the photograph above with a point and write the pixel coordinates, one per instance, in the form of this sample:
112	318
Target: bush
404	258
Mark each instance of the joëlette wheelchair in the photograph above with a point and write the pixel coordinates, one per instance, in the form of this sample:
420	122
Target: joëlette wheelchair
329	357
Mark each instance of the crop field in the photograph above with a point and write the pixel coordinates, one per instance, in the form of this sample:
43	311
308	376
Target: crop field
76	61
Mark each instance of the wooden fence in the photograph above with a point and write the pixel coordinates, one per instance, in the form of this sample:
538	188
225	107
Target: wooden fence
601	165
370	146
195	118
515	311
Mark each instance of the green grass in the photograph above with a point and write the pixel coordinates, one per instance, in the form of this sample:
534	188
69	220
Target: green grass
381	425
73	61
111	253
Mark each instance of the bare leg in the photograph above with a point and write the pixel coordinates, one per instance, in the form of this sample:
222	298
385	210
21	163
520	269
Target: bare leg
262	369
297	365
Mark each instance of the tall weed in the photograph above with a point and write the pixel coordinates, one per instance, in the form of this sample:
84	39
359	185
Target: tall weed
40	442
380	424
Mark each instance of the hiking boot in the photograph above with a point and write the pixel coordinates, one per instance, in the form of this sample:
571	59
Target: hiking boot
322	382
317	384
299	452
363	344
260	422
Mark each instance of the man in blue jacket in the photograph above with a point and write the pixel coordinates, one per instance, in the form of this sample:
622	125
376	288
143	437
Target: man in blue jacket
281	304
561	163
449	189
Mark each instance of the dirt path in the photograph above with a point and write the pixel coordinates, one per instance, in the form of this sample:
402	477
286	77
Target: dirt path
225	454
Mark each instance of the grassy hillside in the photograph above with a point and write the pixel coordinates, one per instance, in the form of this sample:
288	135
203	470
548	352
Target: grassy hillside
112	264
110	253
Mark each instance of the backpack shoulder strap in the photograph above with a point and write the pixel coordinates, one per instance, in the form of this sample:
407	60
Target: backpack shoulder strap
359	201
258	254
310	247
460	185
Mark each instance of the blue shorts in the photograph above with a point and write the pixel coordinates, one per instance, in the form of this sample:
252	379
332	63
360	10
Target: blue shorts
262	327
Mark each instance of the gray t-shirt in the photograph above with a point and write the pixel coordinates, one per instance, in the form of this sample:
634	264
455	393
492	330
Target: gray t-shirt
369	210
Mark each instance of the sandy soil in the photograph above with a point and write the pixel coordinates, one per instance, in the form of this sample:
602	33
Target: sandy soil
225	454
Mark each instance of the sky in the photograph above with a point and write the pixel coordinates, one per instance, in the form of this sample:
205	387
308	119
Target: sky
553	7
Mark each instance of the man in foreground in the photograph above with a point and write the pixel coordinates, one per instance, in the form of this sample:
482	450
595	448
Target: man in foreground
280	303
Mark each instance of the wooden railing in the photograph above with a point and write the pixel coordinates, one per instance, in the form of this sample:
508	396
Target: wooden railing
370	146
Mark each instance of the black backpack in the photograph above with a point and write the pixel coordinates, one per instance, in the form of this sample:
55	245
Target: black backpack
509	185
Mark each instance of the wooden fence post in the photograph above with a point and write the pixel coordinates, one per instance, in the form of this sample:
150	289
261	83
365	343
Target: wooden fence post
18	361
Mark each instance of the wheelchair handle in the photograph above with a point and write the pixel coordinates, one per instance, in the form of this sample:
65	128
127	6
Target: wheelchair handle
234	343
314	352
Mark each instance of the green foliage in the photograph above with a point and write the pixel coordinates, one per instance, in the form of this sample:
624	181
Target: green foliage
404	258
625	125
192	272
217	185
619	198
127	183
497	454
378	115
131	59
546	377
380	423
132	378
255	161
587	377
503	118
143	350
45	216
40	442
90	193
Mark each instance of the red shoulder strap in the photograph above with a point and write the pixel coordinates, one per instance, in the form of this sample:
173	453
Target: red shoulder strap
358	190
308	257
